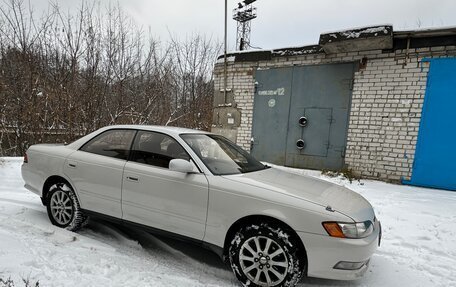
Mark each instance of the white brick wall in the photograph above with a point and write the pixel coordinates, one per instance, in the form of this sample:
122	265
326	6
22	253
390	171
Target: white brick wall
387	99
386	109
242	83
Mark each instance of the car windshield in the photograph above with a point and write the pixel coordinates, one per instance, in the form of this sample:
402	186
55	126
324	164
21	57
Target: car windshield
220	155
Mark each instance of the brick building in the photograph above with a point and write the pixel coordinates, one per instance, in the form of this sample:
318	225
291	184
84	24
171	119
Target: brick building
356	100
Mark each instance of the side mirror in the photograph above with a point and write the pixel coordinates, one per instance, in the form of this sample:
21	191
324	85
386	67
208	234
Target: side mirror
180	165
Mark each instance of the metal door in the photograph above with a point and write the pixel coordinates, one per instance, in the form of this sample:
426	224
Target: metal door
270	120
165	199
435	156
309	127
313	133
321	94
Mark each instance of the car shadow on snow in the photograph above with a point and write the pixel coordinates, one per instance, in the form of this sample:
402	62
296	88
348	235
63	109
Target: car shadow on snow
178	255
152	242
181	252
326	282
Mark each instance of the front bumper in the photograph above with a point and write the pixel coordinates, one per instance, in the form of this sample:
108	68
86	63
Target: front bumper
325	252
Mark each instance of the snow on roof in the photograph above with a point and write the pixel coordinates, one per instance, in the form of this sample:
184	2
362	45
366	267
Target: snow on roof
288	51
358	33
228	59
428	29
426	32
361	33
296	51
385	30
357	28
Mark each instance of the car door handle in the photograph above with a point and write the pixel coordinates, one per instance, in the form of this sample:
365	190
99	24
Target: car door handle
72	165
132	178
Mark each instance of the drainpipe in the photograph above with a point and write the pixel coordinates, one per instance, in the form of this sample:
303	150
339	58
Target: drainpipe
407	55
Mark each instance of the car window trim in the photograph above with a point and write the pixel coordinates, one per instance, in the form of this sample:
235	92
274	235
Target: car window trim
109	130
162	133
219	136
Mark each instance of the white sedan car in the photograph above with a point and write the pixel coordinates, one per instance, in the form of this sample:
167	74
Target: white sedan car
271	226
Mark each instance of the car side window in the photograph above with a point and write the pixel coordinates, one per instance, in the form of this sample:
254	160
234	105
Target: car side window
112	143
156	149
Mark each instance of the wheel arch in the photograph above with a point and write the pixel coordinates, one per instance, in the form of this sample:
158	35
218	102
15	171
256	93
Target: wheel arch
49	182
257	219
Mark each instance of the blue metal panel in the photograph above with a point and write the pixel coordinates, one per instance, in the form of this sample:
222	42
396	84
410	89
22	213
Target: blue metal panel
435	156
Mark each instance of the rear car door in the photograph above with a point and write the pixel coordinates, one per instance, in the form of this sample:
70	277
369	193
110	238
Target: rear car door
155	196
96	171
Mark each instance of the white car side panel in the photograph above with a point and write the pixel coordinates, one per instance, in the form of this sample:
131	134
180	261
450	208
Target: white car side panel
230	201
165	199
97	180
44	161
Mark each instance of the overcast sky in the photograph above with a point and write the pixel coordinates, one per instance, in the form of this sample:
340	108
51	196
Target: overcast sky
280	23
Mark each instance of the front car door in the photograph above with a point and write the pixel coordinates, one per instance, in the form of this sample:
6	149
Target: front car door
155	196
96	171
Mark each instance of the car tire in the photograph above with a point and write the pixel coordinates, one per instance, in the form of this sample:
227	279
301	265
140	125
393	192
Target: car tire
266	255
63	207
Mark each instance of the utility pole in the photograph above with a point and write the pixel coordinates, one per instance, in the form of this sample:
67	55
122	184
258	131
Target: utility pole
225	76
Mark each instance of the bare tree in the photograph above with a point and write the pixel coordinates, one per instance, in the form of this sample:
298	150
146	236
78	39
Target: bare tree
63	75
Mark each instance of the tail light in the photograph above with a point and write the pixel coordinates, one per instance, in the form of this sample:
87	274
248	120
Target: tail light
25	158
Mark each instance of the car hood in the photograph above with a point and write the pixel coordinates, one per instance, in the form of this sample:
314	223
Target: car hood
318	191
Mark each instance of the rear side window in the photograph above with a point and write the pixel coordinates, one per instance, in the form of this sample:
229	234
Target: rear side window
156	149
113	143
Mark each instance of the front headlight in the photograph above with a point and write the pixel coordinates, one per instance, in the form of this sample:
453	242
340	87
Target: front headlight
349	230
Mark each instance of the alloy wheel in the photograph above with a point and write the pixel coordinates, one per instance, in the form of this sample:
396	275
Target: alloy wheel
61	207
263	261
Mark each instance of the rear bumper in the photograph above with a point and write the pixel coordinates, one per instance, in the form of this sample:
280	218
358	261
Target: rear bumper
31	179
324	252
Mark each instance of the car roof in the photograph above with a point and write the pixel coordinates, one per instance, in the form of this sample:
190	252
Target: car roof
164	129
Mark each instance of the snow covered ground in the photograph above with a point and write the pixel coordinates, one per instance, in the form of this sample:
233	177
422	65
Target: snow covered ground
418	247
